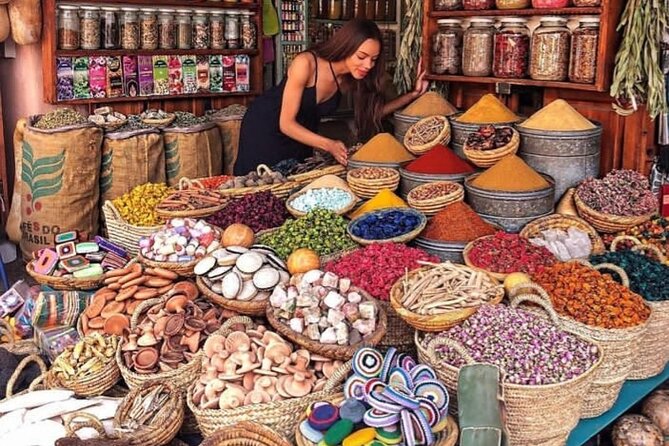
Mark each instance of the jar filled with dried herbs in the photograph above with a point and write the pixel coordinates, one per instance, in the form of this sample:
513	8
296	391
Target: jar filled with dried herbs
477	5
584	41
586	3
167	29
109	27
90	28
447	5
513	4
232	35
447	47
477	48
148	24
217	27
68	27
248	31
130	29
200	30
512	47
184	29
549	53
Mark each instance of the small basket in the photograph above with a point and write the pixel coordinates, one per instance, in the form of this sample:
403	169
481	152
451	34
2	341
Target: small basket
433	206
404	238
14	346
16	374
248	308
436	322
638	246
368	188
608	223
447	437
332	351
160	122
189	213
122	233
427	133
182	269
245	433
282	190
488	158
469	263
296	213
96	383
564	222
65	283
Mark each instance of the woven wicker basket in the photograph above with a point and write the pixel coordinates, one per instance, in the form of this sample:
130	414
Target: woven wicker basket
468	262
122	233
249	308
605	222
427	133
183	269
96	383
433	206
65	283
564	222
447	437
436	322
17	347
297	213
282	190
308	177
189	213
16	374
368	188
638	246
404	238
246	433
488	158
535	415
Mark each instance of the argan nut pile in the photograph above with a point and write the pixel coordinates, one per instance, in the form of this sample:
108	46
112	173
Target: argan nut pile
86	357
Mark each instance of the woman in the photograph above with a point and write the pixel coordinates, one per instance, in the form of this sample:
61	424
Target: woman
283	122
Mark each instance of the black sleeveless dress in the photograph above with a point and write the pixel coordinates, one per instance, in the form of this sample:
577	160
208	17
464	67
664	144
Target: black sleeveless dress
261	140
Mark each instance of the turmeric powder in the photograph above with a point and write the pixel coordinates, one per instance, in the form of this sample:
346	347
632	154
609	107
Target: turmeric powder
558	115
383	148
431	103
510	174
488	110
385	198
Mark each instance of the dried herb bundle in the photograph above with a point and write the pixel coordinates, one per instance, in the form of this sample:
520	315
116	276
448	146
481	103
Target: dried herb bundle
410	47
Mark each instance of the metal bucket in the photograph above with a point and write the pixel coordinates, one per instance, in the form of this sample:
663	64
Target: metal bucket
460	132
411	180
401	123
444	250
568	156
511	210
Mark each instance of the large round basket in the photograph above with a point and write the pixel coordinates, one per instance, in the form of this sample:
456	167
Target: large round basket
183	269
605	222
307	177
563	222
427	133
332	351
94	384
435	322
404	238
535	415
447	437
342	211
65	283
281	190
122	233
432	206
217	203
369	187
245	433
488	158
16	346
469	263
248	308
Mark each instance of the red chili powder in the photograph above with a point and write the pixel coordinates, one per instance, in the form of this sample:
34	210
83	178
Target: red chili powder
457	222
439	159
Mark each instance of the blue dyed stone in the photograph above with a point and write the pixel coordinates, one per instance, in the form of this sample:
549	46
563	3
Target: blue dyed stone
353	410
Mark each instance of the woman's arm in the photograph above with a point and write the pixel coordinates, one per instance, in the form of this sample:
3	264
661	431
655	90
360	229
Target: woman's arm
419	89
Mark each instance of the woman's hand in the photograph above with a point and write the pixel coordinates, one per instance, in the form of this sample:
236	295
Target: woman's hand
421	84
338	150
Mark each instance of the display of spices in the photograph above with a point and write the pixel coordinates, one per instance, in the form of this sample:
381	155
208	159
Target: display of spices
189	200
550	4
68	27
85	358
510	174
488	110
584	43
385	224
477	5
590	297
509	253
384	199
477	48
558	116
538	354
438	192
105	116
376	267
167	29
512	49
134	122
439	160
184	29
248	31
512	4
324	308
431	103
180	240
253	179
200	29
489	137
620	192
138	206
382	148
61	117
447	47
654	232
549	52
329	198
320	230
187	119
457	223
648	277
573	243
447	5
259	211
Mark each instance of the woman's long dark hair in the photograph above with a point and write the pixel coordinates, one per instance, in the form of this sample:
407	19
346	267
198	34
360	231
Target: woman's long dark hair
368	91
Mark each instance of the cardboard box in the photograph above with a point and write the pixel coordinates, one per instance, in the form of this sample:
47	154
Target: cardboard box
145	66
64	79
130	76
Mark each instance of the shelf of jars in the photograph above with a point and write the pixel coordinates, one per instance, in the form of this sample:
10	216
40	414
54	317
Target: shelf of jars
251	5
517	12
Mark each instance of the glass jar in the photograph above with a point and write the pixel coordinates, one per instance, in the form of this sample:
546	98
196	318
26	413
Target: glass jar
583	60
90	27
549	51
586	3
109	27
447	5
512	47
347	9
217	27
550	4
513	4
129	29
322	11
248	31
68	27
359	9
391	11
334	9
447	47
370	9
232	37
477	5
477	48
184	29
380	10
167	29
200	29
148	28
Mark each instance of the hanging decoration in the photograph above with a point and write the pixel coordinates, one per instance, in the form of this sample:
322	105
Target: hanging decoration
410	48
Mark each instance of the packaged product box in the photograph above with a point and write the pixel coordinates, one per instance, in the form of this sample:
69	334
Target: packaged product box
203	74
189	69
145	66
161	76
215	74
64	79
130	76
176	75
97	76
114	77
242	66
82	88
228	63
664	200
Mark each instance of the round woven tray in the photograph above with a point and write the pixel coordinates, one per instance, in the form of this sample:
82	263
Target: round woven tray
245	433
488	158
96	383
160	122
65	283
427	133
249	308
296	213
282	190
307	177
608	223
368	188
564	222
123	233
433	206
182	269
404	238
468	262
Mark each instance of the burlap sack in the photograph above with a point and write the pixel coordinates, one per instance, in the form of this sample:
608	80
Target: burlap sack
13	227
230	127
192	152
60	175
130	159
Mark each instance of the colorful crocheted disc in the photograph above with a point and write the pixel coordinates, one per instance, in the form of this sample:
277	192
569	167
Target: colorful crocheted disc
400	377
374	385
434	391
430	410
402	396
422	372
377	401
379	418
354	387
322	417
367	362
389	361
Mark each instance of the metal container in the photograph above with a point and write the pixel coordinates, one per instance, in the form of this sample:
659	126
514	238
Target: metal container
568	156
444	250
511	210
460	132
411	180
402	123
352	164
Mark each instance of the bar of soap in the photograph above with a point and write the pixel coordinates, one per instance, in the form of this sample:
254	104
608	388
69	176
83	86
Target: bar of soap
91	270
360	438
336	434
310	433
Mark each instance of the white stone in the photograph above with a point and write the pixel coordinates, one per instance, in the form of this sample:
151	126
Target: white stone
342	333
334	300
365	326
354	297
335	316
330	280
329	336
367	310
313	332
297	325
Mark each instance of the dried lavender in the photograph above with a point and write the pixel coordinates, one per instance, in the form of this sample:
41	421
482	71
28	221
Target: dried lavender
621	192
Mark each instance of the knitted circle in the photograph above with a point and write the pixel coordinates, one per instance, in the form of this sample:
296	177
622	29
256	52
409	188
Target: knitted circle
422	425
401	396
389	435
434	391
430	410
374	384
400	377
378	418
367	362
377	401
406	362
422	372
322	417
389	362
354	387
408	432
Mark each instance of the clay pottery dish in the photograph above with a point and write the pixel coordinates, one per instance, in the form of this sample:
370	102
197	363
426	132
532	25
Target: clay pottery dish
187	288
194	310
159	327
130	344
96	323
95	307
174	324
192	341
198	393
254	334
247	364
231	398
195	323
172	357
277	352
130	307
155	313
147	339
257	397
269	337
297	386
249	381
176	304
111	308
173	343
237	341
218	362
146	358
127	359
116	324
209	315
329	368
280	389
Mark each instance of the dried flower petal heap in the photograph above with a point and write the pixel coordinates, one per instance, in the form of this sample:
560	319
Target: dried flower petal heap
654	232
621	192
489	138
259	211
385	225
509	253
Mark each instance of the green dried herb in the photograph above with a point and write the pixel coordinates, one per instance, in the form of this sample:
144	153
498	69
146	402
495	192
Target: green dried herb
59	118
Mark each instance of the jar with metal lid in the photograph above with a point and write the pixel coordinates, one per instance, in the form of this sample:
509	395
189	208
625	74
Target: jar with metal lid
584	42
550	4
347	9
586	3
447	47
217	27
184	29
129	28
512	47
232	37
167	29
477	48
381	10
447	5
248	31
549	50
477	5
334	9
370	9
68	27
148	28
109	27
200	29
513	4
90	27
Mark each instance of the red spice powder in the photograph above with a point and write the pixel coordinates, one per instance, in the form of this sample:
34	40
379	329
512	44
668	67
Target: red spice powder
439	159
457	222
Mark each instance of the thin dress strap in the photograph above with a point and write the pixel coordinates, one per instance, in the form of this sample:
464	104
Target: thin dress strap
334	75
316	73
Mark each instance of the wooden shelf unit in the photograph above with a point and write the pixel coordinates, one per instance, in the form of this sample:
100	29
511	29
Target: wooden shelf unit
516	12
